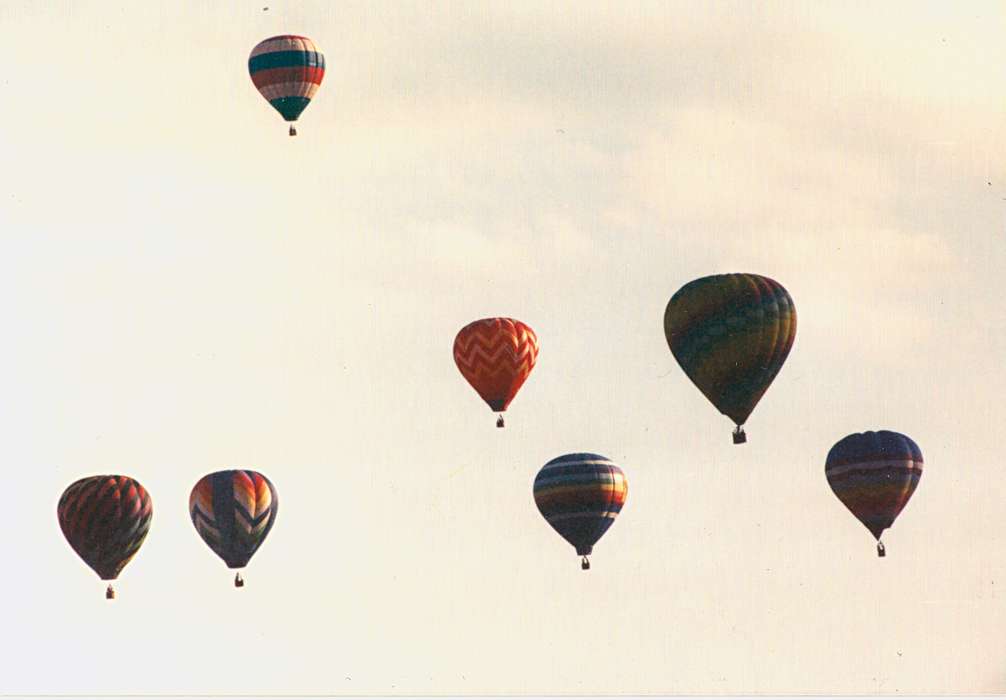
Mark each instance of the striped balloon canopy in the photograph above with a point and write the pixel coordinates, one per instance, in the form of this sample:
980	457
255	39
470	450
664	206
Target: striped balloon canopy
731	335
105	519
874	474
233	511
287	70
580	495
496	355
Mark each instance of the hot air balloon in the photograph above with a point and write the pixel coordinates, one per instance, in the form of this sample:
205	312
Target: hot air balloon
731	335
874	474
580	495
496	355
105	519
287	70
233	512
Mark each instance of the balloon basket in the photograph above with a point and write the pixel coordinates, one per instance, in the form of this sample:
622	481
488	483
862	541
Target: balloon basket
110	593
238	581
293	132
739	436
499	422
584	563
881	550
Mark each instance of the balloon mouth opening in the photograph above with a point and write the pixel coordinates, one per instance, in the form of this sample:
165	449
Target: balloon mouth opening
584	551
877	532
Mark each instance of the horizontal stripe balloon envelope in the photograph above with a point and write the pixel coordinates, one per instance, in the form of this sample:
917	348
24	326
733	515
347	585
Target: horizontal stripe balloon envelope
105	519
580	495
287	70
731	335
874	474
233	511
496	356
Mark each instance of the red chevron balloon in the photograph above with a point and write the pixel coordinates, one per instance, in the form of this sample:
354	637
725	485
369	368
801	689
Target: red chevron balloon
496	355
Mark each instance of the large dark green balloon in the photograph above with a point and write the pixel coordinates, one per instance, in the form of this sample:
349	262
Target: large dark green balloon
731	335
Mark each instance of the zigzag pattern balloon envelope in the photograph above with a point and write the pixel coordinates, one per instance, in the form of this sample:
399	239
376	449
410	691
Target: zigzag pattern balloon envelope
874	474
287	70
580	495
105	519
731	335
496	355
233	511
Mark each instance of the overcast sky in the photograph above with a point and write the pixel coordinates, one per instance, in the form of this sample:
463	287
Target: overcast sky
185	288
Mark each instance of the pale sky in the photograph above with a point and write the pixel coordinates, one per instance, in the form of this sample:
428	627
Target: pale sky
185	289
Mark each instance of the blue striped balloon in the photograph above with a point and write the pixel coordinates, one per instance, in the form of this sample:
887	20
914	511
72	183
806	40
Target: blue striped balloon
580	495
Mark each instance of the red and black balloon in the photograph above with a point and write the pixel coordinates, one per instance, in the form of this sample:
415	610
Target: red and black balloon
105	519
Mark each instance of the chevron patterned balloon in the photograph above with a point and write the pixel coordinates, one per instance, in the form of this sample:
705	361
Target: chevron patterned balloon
105	519
496	355
233	511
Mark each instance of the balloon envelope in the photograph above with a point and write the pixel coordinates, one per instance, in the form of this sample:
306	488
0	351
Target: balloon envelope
496	355
233	511
874	474
105	519
287	70
580	495
731	335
